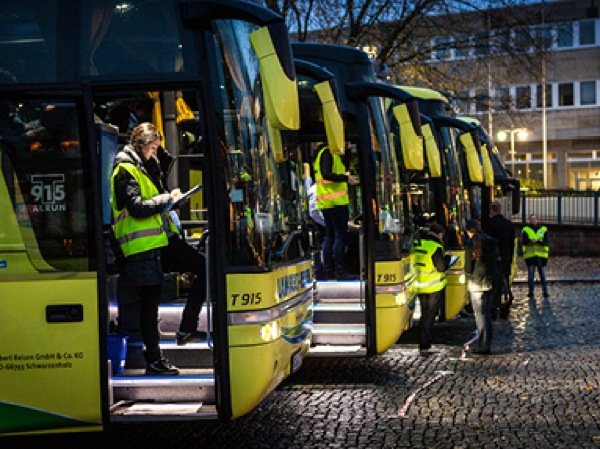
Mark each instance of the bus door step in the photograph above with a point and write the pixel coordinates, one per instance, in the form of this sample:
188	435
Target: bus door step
337	351
187	386
124	411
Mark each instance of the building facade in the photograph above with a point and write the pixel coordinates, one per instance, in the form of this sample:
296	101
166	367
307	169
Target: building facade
498	76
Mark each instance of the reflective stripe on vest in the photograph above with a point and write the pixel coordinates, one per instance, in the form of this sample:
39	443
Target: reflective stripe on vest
137	235
429	280
330	193
535	249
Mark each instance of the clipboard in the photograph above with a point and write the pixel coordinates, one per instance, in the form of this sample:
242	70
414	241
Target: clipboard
186	195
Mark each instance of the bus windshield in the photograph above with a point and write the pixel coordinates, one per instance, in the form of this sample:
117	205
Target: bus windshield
388	185
137	39
259	215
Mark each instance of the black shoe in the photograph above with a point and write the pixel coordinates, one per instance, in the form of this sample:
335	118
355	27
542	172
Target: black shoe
429	351
186	337
162	367
477	352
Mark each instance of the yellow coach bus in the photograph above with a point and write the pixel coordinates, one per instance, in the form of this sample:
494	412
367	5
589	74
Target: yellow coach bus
217	78
366	314
444	189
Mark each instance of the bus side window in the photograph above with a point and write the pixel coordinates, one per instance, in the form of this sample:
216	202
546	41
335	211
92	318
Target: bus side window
50	186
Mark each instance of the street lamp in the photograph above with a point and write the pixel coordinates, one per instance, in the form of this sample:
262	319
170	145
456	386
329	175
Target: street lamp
503	134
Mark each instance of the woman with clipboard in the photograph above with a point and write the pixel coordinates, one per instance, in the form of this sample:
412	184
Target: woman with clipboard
151	243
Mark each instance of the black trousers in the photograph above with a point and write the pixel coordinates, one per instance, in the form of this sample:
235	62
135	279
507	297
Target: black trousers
430	305
138	313
180	257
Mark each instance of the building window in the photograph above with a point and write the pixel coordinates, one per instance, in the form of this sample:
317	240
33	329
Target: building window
523	97
501	41
548	95
565	35
442	48
462	102
481	44
587	32
522	39
565	94
502	99
482	101
462	46
587	92
543	36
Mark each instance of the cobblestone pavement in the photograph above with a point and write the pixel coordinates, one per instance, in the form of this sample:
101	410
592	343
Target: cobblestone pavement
539	389
566	267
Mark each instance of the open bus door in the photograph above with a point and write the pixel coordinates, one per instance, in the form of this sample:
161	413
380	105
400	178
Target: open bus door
366	314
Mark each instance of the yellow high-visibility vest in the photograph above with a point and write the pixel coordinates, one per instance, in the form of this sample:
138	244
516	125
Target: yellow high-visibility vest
429	280
330	193
136	235
535	248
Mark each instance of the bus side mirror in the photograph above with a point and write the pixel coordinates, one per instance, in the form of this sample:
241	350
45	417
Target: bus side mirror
278	76
334	125
411	140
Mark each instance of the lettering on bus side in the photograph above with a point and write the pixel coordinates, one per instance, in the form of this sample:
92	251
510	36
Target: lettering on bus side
48	193
291	283
286	286
246	299
387	278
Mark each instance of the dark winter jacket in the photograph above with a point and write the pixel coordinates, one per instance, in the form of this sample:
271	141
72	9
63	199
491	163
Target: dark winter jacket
482	272
502	229
143	268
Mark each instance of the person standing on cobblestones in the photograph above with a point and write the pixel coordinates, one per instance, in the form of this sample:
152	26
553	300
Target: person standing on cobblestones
502	229
481	267
431	265
534	242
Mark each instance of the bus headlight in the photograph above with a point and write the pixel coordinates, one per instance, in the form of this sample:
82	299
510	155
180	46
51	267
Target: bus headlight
401	298
270	331
462	279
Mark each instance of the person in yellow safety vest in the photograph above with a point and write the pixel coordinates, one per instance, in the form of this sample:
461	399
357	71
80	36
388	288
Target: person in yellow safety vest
534	243
332	181
149	241
430	265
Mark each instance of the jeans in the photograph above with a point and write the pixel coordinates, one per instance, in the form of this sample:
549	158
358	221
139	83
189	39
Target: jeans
430	305
334	246
537	263
481	302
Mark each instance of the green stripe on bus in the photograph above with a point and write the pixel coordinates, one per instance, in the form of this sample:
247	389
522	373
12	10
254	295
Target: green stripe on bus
17	418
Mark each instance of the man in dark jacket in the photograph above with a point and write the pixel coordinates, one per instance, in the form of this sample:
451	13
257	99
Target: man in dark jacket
502	229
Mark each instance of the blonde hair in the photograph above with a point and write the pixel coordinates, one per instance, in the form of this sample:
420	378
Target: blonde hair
144	134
